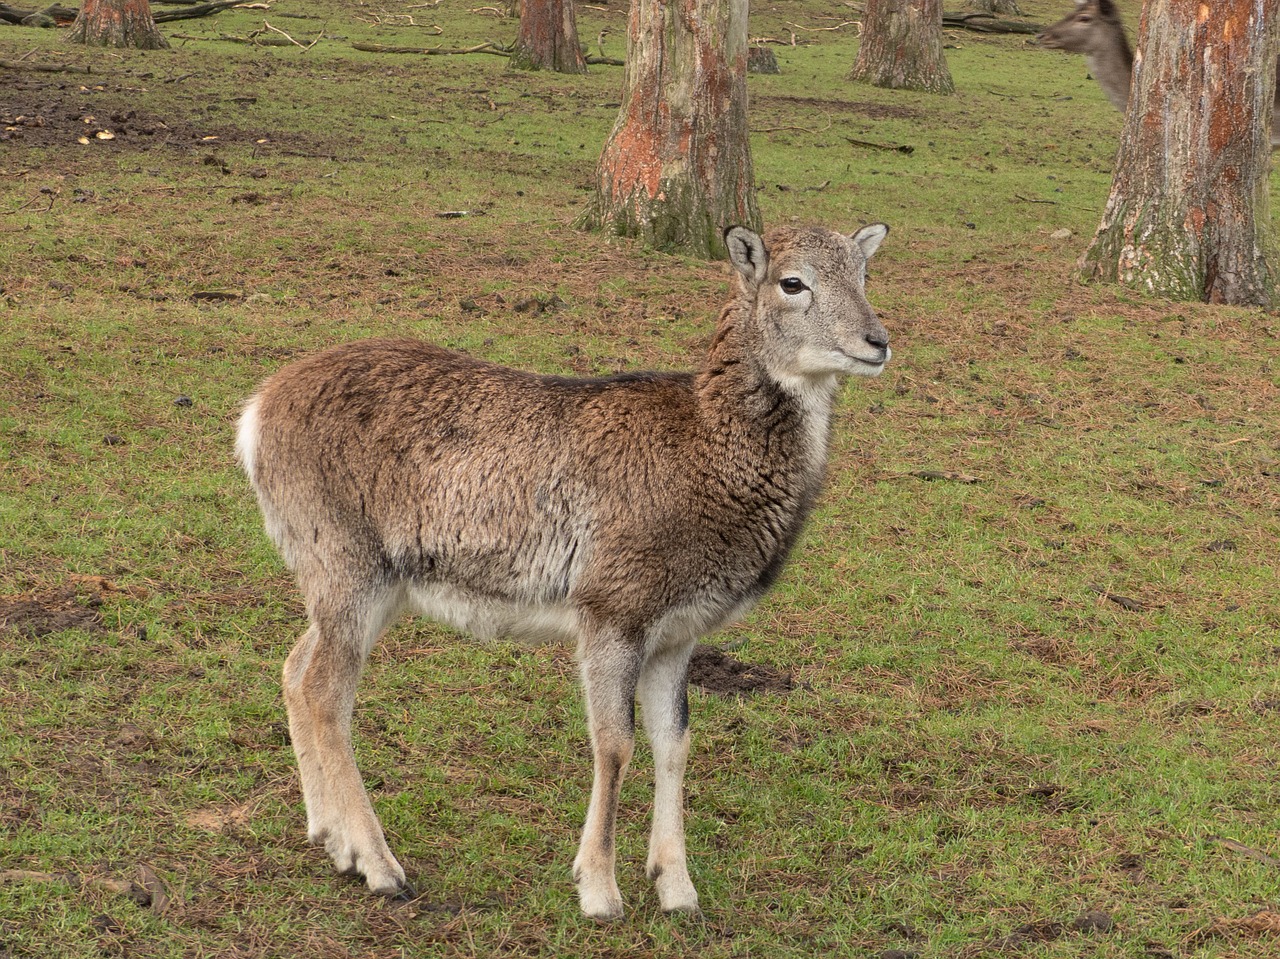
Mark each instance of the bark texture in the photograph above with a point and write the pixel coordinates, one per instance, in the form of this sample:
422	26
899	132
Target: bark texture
901	46
676	170
1009	7
548	38
1188	212
117	23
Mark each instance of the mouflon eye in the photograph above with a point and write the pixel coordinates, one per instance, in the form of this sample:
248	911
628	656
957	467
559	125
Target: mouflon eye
792	285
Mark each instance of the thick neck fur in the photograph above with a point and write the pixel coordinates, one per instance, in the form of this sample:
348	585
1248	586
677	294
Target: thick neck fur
738	393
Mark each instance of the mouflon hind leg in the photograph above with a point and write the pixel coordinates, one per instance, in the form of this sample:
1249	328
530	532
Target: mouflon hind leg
320	679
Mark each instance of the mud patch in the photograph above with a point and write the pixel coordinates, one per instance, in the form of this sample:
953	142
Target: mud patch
32	616
718	672
74	605
58	115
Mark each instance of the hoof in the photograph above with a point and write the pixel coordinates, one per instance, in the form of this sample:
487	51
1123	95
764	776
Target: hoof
676	892
604	913
599	901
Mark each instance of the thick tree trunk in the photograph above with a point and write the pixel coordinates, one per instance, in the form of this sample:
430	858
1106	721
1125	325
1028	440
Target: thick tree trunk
117	23
1008	7
548	38
676	170
901	46
1188	212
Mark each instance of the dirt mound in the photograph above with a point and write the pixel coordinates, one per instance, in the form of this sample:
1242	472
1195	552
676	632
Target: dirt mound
75	605
718	672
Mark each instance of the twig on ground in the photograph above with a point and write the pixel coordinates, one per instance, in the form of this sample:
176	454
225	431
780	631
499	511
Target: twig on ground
45	191
307	46
1124	602
796	129
839	26
399	20
1255	854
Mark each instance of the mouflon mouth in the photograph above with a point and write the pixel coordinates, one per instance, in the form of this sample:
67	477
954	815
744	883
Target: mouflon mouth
869	365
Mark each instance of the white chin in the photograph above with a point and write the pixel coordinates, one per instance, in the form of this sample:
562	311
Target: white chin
861	368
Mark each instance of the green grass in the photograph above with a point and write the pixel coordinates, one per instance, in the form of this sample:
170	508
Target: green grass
982	743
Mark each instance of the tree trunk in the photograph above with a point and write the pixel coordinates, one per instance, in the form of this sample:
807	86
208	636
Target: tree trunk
901	46
117	23
1188	212
1007	7
548	38
676	170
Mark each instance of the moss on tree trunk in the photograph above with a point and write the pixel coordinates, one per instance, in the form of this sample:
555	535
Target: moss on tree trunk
1188	212
676	170
901	47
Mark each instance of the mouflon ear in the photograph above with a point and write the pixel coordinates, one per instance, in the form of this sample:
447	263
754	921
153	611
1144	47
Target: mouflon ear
870	237
747	253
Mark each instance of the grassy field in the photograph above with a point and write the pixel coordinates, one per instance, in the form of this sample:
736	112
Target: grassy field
1032	635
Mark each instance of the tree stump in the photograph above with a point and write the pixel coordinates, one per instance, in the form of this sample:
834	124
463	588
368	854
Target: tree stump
761	60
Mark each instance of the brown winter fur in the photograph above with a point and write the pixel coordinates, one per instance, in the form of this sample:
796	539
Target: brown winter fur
632	514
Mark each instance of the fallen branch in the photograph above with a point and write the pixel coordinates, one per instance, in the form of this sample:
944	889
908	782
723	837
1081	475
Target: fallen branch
606	61
44	67
48	17
258	38
490	47
986	23
304	46
900	148
57	15
198	10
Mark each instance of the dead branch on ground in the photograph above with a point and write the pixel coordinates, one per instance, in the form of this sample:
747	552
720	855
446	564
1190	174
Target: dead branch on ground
47	17
58	15
304	46
986	23
489	47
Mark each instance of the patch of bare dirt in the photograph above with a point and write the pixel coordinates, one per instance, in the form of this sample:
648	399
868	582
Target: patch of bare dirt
35	615
74	605
43	114
717	672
